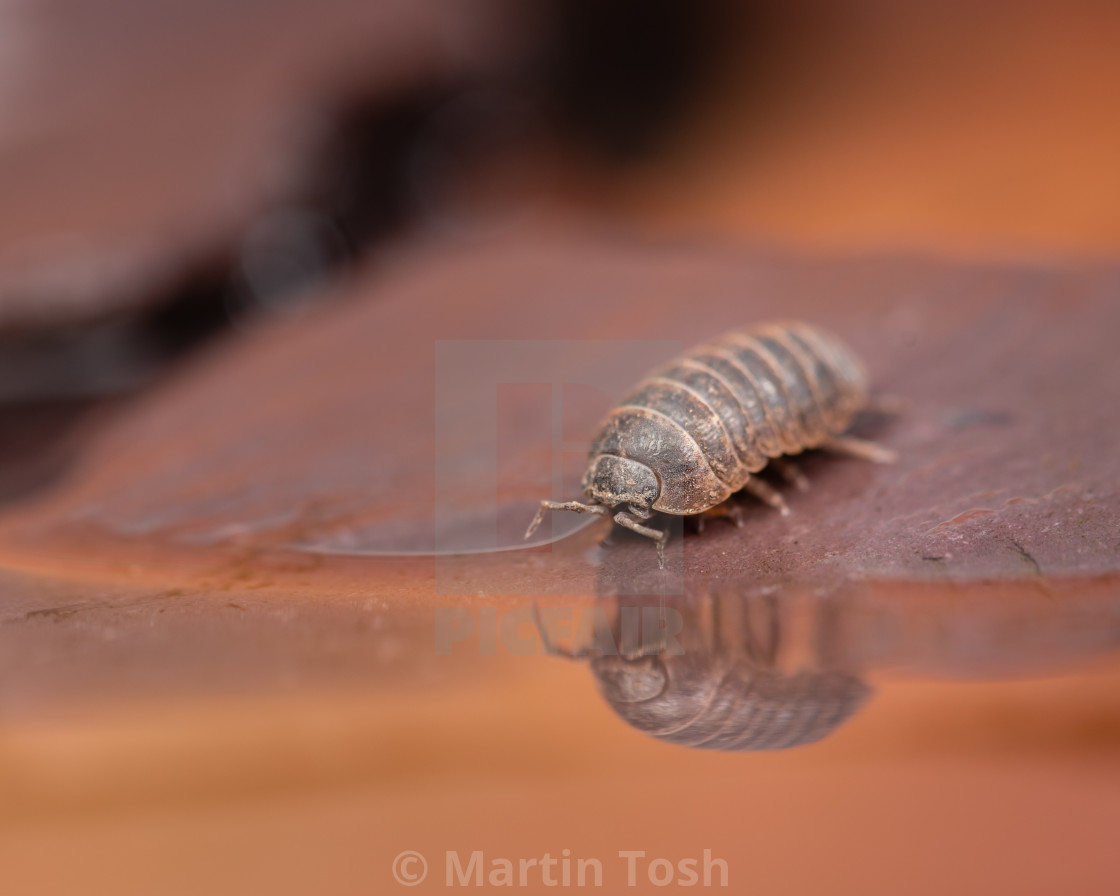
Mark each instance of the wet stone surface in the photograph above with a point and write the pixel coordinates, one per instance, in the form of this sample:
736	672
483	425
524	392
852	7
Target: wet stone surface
373	426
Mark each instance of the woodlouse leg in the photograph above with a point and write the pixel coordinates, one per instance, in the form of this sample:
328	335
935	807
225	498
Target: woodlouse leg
791	473
564	505
726	510
657	535
768	494
860	448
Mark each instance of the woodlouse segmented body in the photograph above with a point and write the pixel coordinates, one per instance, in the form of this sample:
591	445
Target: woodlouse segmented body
695	430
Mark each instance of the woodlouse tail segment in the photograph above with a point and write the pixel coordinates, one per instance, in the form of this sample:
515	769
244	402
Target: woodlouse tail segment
659	536
861	449
564	505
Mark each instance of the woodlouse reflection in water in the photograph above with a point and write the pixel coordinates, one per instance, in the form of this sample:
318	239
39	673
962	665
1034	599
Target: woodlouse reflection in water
695	431
729	665
729	676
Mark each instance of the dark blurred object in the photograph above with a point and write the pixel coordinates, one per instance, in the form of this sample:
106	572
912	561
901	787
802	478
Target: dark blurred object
619	73
144	153
37	442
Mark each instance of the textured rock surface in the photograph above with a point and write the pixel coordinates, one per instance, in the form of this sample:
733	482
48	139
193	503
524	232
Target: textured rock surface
374	427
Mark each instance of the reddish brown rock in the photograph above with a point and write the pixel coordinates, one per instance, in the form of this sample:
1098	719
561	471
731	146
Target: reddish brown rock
404	420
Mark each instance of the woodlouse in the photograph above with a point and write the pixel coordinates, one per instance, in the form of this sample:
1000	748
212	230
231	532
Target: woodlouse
695	431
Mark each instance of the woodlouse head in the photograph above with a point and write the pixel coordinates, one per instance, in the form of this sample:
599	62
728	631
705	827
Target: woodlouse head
614	480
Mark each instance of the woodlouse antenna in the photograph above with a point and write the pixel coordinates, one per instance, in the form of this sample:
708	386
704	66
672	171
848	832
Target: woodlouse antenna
598	509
